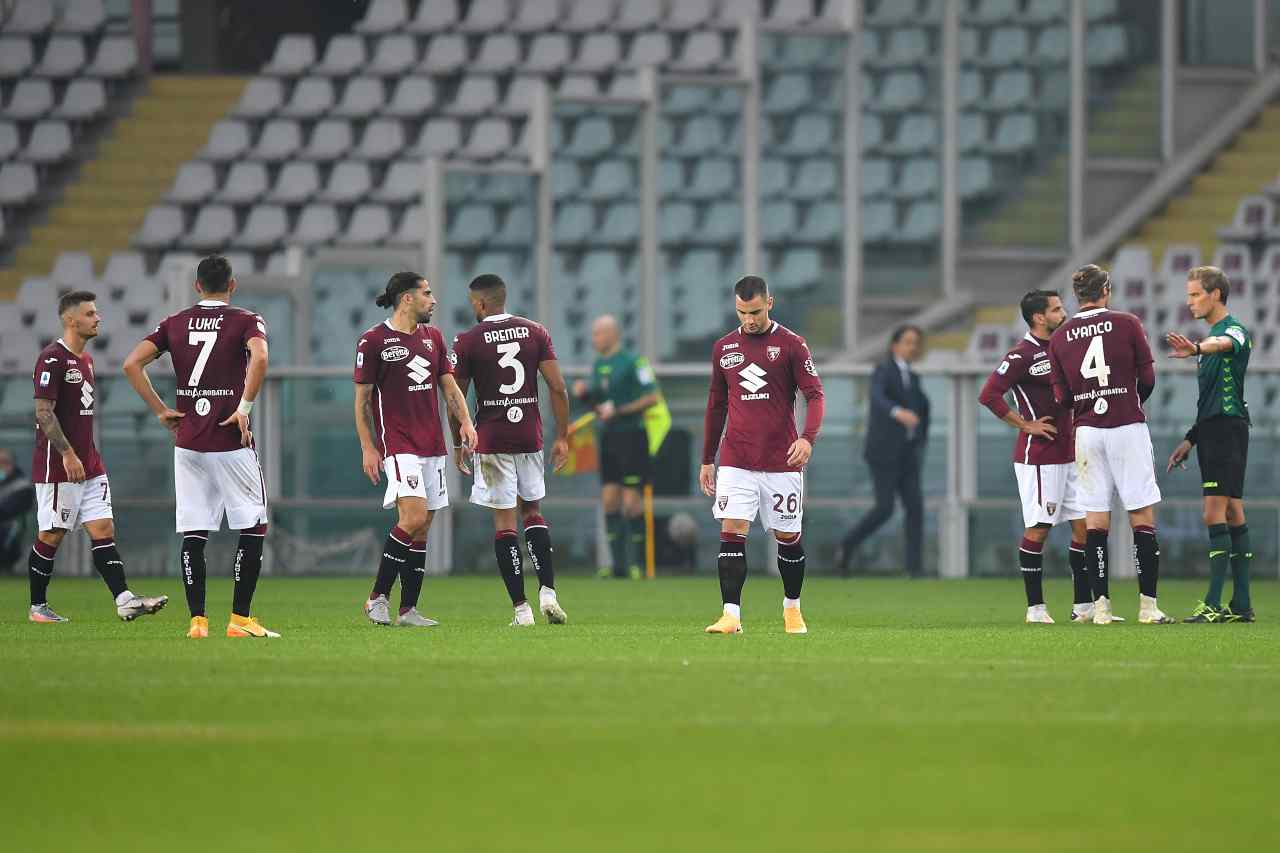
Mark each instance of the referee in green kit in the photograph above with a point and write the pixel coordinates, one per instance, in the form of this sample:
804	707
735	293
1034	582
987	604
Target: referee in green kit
1221	437
622	387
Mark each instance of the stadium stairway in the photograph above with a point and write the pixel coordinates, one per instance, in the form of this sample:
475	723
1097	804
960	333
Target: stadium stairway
1210	200
133	167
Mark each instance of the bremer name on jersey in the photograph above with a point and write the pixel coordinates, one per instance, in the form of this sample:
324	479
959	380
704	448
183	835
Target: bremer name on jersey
1025	371
209	345
1100	360
404	370
68	380
501	356
754	379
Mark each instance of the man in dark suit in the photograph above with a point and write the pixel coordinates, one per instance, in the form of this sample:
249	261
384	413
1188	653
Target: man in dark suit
897	430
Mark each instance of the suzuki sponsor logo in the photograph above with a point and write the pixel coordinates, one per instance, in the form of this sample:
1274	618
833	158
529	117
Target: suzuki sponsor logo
732	360
419	369
752	377
86	398
393	354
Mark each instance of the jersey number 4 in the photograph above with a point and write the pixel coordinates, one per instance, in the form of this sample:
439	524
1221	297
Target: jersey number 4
1094	365
204	340
511	358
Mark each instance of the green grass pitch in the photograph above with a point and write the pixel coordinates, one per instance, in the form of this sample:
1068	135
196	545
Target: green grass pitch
914	716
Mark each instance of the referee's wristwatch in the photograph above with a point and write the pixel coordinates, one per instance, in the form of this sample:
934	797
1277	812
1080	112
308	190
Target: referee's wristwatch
1198	348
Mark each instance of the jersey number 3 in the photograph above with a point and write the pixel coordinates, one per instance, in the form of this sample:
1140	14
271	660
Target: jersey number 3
511	358
204	340
1094	365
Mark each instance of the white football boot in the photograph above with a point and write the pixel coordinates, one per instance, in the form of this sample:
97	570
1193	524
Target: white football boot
550	607
1082	614
1150	614
1102	611
138	605
378	611
1038	614
523	617
413	619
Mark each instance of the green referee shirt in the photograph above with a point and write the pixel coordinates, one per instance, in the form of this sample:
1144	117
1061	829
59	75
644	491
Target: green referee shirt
1221	374
622	378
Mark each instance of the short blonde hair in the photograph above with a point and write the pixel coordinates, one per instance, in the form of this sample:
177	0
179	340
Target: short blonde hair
1211	279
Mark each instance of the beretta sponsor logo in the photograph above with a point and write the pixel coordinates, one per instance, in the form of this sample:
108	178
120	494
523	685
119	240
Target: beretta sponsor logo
395	353
732	360
1040	368
74	376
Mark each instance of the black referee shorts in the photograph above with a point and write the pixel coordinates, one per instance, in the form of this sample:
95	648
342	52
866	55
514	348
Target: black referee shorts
1222	445
624	458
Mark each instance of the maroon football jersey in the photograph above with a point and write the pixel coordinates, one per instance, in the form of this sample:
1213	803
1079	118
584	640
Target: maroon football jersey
756	378
501	356
68	380
209	345
1097	359
405	372
1025	371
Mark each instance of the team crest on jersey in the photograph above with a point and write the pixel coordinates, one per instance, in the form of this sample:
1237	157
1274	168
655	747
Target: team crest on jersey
1051	508
74	376
1040	368
412	480
428	345
66	516
773	353
732	360
722	503
515	414
393	354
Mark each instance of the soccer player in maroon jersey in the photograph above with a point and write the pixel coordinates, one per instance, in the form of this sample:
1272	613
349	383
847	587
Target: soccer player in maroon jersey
503	355
70	479
400	364
756	371
1043	453
219	354
1102	368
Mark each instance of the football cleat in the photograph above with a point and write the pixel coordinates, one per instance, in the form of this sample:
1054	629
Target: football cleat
378	611
413	619
141	606
552	611
1038	614
1085	617
247	626
1149	613
1102	611
199	629
1205	614
1243	614
793	621
523	617
44	613
726	624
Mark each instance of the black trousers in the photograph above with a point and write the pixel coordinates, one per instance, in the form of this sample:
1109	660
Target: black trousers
901	478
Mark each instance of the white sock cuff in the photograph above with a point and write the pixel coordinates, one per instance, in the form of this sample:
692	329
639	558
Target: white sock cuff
791	603
734	610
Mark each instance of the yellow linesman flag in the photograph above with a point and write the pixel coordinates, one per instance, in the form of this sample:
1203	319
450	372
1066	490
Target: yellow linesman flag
583	456
657	423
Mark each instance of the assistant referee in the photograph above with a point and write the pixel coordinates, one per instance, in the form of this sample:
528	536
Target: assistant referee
1221	436
622	387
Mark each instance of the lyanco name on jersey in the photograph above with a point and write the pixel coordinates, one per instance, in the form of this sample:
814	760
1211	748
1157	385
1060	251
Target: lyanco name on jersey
1089	330
512	333
205	324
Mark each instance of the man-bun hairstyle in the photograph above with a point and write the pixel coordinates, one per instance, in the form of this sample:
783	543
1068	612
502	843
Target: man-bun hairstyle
397	285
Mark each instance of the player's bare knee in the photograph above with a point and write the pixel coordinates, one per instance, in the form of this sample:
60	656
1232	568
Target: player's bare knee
611	497
53	538
530	510
632	503
786	538
735	525
1039	533
1235	512
103	528
413	519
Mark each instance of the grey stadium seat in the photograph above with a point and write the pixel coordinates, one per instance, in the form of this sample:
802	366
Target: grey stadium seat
434	17
370	224
280	140
920	177
907	47
787	93
686	100
713	179
723	222
519	96
50	142
63	57
382	139
1015	133
810	134
318	224
800	268
823	224
872	132
349	181
877	177
476	96
473	225
688	14
548	53
638	15
1011	90
10	142
574	223
383	16
30	100
702	135
30	17
1007	46
72	270
923	223
82	17
266	226
312	97
394	55
484	16
296	184
244	184
592	137
578	86
214	227
792	12
117	57
490	137
194	183
439	137
972	133
330	139
228	140
976	179
124	268
598	52
611	179
778	222
702	50
916	132
649	49
586	15
160	227
499	53
412	228
361	98
16	57
678	222
1041	12
343	56
260	99
413	97
535	16
294	56
402	184
815	179
991	12
1053	46
901	91
445	54
84	99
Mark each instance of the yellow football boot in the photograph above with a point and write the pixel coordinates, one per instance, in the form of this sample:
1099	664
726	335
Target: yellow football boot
726	624
793	621
199	629
247	626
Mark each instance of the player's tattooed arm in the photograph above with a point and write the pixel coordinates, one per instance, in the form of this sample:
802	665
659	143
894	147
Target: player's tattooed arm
370	460
48	422
456	404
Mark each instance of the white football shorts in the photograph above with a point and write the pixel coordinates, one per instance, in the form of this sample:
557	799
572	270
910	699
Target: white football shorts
410	476
776	497
65	506
1115	459
1048	493
500	477
211	485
